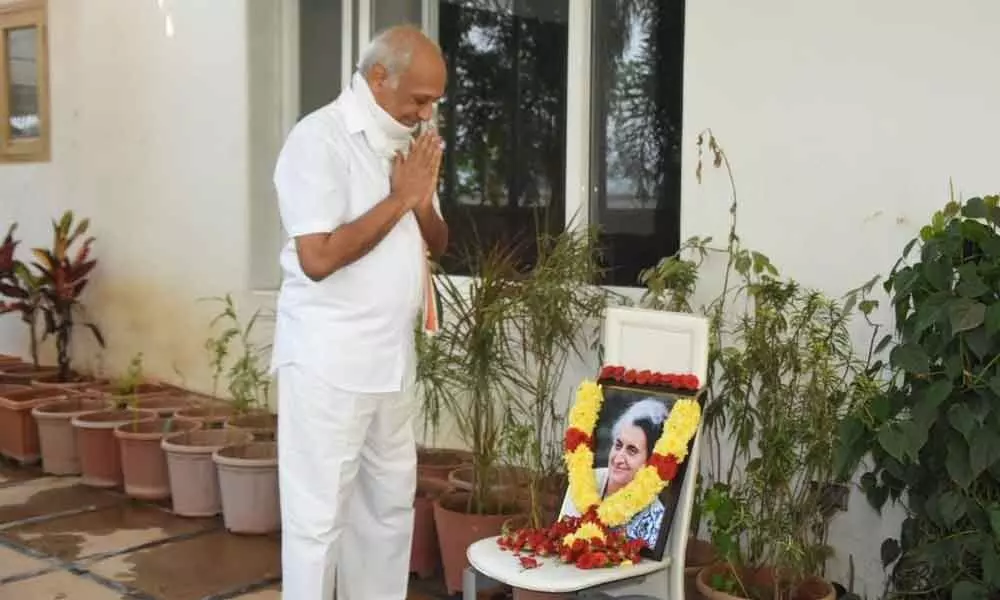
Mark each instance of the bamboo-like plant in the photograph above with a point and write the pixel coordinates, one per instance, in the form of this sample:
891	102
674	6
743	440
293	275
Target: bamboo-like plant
478	377
559	305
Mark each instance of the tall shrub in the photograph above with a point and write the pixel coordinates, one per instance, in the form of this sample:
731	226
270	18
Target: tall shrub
933	439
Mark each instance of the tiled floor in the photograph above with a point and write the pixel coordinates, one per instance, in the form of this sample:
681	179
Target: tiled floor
60	540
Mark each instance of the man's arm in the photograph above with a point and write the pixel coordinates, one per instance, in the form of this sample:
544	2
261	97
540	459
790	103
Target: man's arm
312	180
322	254
432	227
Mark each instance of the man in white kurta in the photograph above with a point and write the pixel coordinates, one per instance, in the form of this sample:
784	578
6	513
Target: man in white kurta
360	220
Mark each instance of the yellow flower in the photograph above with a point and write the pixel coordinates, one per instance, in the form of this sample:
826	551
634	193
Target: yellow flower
626	563
585	532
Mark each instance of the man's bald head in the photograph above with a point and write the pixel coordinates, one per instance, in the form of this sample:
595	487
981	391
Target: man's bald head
406	72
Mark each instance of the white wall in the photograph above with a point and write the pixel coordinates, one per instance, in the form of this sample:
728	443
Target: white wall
150	141
844	121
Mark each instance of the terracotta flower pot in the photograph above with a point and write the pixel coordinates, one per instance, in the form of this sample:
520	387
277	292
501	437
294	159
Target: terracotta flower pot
100	453
457	529
437	463
142	389
144	464
425	553
262	424
194	478
165	404
520	594
213	415
57	436
75	382
761	582
248	486
25	373
699	554
504	480
18	432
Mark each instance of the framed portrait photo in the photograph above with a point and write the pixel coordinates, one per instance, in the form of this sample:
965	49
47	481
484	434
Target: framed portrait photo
630	422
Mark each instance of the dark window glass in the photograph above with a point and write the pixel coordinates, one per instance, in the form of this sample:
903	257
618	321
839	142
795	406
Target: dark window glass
504	122
319	53
638	67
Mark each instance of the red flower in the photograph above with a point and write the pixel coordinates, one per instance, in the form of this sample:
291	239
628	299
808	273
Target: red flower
529	563
619	372
630	376
576	438
666	466
644	377
608	372
691	382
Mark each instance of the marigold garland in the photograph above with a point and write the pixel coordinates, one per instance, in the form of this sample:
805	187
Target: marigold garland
595	540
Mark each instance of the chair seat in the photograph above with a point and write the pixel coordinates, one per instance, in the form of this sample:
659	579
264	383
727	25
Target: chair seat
552	576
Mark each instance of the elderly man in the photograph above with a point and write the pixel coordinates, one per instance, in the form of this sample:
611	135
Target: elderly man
357	199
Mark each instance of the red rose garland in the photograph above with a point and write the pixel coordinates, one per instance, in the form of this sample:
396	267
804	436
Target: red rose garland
675	381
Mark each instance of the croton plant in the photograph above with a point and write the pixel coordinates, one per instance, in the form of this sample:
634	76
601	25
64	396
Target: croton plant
51	287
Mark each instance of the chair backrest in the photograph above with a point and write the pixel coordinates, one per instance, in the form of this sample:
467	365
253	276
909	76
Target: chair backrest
666	342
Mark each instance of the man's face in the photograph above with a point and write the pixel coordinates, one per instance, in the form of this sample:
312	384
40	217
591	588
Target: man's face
411	100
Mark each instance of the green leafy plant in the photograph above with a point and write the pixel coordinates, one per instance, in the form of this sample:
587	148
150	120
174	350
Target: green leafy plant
249	382
932	440
127	386
477	378
782	372
20	290
556	301
63	275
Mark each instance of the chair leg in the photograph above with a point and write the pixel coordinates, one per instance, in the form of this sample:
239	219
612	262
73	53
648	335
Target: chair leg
469	584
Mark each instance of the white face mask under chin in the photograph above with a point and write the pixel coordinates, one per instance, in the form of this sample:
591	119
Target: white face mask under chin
385	135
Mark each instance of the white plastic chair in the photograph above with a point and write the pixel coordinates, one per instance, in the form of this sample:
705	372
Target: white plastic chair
639	339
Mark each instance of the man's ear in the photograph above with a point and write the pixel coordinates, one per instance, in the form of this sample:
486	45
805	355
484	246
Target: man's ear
378	76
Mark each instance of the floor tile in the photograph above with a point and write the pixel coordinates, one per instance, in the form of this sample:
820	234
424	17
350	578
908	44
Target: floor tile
15	563
48	495
111	529
221	560
60	585
9	472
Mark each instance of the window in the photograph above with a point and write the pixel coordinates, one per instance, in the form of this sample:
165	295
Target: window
637	72
504	122
557	112
24	110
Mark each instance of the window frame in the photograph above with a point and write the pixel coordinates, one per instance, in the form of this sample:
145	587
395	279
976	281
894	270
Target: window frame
25	13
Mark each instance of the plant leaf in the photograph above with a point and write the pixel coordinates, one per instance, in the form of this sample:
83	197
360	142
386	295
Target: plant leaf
969	590
889	551
965	314
984	450
910	357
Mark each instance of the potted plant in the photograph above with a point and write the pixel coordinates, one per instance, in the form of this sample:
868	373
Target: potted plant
20	292
931	436
478	386
432	369
782	372
248	472
63	277
56	434
558	312
144	464
249	384
18	432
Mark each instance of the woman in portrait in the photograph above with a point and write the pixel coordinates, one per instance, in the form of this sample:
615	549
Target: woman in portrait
632	439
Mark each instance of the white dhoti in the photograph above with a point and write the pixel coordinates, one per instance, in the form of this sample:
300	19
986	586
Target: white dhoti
347	472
